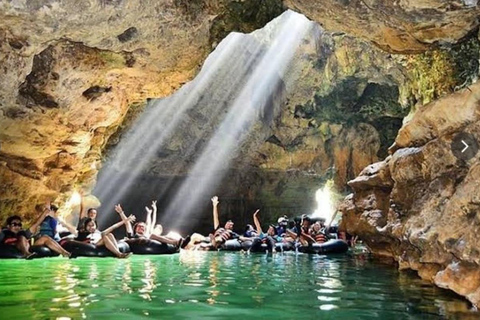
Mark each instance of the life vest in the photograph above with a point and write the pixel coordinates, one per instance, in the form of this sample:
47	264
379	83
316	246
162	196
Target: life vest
318	236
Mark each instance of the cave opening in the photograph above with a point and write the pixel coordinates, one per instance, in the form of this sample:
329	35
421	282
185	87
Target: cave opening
185	148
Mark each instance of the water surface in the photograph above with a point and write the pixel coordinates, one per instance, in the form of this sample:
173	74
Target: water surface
220	285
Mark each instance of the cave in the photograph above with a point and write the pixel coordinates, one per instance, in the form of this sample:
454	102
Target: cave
265	104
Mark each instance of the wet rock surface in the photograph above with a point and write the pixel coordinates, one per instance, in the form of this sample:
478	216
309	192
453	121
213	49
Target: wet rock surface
420	205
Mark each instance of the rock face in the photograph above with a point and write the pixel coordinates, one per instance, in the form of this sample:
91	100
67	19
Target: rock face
340	113
71	71
420	206
75	75
404	26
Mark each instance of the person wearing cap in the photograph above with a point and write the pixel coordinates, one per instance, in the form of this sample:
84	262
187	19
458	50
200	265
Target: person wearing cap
281	226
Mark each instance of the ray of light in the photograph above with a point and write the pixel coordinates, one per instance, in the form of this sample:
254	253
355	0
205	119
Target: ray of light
247	108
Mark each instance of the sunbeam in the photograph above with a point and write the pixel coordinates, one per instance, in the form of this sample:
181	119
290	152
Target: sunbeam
249	107
250	70
161	120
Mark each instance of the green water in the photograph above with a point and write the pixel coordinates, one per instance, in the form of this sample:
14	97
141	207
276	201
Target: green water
219	285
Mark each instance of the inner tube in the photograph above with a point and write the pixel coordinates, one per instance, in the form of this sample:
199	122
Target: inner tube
331	246
231	245
11	252
82	249
147	246
284	246
235	245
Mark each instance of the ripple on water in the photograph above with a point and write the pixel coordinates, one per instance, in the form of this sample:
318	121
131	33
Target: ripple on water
219	285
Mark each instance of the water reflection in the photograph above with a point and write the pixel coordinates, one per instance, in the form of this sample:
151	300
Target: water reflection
213	280
148	280
65	282
127	278
193	284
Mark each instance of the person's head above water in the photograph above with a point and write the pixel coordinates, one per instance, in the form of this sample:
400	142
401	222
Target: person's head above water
140	228
89	225
14	224
306	221
249	227
229	225
272	231
92	213
282	221
250	231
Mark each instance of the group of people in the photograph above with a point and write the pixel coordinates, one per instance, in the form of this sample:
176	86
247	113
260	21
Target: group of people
45	232
305	232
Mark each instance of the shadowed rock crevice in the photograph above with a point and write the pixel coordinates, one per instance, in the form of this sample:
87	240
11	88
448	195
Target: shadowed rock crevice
244	16
31	89
128	34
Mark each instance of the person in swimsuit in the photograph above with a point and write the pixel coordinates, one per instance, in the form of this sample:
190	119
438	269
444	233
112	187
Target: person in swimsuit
90	234
14	235
91	213
146	230
47	234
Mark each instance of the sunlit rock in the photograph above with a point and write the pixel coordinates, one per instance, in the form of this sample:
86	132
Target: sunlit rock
429	214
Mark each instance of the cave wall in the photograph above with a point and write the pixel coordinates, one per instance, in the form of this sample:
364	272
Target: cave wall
73	72
74	78
405	26
340	114
420	205
75	75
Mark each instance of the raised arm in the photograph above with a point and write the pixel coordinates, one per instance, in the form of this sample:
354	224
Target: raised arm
148	220
130	218
257	222
216	222
154	216
67	225
40	218
128	225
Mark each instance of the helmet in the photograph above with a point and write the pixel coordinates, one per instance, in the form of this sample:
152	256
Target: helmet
282	220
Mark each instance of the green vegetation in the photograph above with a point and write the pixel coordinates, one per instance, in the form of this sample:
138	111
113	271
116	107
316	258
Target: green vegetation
435	73
244	16
353	100
112	60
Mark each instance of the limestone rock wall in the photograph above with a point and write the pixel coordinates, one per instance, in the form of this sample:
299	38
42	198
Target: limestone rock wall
420	205
404	26
340	114
72	70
